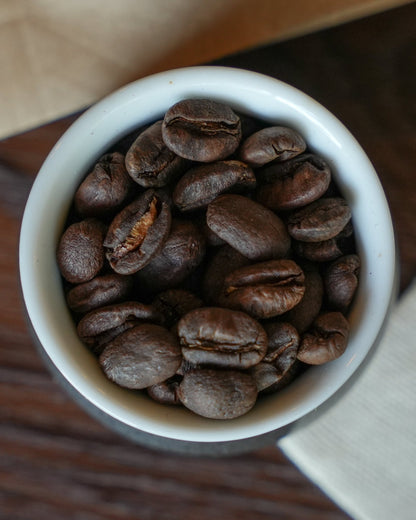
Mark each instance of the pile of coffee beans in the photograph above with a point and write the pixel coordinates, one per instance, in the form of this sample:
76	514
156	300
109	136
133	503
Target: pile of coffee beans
209	258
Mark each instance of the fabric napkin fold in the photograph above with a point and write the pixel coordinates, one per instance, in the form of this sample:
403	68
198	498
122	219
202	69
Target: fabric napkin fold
362	451
57	57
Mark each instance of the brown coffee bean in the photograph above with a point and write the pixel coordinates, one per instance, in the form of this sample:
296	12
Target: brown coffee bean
276	368
255	231
104	189
283	344
211	238
138	232
175	303
341	281
218	394
182	251
265	375
201	130
327	250
202	184
150	162
293	184
304	313
165	392
265	289
101	325
320	220
80	253
142	356
274	143
224	261
221	337
326	341
98	292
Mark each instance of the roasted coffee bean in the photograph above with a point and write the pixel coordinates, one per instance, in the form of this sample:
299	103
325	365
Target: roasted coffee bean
105	188
255	231
218	394
320	220
165	392
221	337
283	344
224	261
101	325
211	238
150	162
181	253
265	375
326	250
274	143
80	253
202	184
138	232
142	356
304	313
175	303
250	124
98	292
341	281
265	289
201	130
326	341
293	184
275	370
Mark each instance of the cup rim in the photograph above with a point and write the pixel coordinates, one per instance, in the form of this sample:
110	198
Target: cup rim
254	94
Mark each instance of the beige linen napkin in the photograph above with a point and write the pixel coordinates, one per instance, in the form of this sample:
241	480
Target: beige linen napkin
57	56
362	451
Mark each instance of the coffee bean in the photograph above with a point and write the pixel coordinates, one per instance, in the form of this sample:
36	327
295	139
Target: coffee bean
172	304
212	239
326	341
201	130
274	143
138	232
98	292
165	392
202	184
326	250
276	368
105	188
150	162
320	220
218	394
221	337
265	375
182	251
341	281
294	183
142	356
80	253
225	260
264	289
255	231
302	315
283	344
102	325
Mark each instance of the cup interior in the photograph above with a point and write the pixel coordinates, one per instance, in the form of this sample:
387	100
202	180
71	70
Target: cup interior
142	102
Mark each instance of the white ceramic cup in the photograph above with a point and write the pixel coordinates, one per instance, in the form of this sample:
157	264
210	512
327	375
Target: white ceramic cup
105	123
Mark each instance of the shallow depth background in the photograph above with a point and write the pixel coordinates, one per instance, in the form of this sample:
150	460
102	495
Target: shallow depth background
57	462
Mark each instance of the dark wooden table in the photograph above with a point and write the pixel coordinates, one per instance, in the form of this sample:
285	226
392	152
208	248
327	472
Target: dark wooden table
57	462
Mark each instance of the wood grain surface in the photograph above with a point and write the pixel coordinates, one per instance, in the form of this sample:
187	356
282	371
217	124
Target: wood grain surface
56	461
